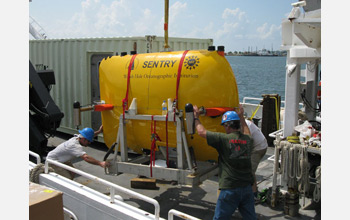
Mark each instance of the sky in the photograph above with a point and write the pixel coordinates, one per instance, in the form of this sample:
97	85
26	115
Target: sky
236	24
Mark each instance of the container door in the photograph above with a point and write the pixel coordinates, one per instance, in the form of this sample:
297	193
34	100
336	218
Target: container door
96	120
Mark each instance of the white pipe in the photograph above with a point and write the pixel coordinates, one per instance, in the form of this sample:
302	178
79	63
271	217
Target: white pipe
36	156
182	215
109	184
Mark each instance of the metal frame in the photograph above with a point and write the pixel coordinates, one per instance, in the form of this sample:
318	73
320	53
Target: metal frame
184	174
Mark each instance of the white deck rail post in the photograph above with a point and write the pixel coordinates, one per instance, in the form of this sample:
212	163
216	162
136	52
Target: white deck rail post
36	156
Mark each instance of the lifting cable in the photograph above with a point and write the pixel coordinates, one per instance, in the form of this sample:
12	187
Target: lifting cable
125	100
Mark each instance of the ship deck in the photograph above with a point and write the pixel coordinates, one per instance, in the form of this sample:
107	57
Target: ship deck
196	201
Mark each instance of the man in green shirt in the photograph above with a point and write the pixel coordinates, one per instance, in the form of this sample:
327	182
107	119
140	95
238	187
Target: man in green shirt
235	171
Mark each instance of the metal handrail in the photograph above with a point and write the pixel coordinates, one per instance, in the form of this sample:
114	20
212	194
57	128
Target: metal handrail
173	212
69	212
112	186
273	134
251	98
283	103
36	156
260	99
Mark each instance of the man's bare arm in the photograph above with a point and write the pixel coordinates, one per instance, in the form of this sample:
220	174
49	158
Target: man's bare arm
92	160
199	127
244	126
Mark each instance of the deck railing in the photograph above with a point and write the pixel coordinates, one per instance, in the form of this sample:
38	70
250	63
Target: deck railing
112	186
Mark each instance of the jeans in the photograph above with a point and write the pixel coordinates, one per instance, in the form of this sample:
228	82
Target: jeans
231	199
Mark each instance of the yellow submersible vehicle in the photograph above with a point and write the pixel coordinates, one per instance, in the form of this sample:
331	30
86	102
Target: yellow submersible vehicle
133	88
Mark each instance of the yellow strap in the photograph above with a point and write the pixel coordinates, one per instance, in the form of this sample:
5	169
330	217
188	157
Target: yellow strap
277	113
255	111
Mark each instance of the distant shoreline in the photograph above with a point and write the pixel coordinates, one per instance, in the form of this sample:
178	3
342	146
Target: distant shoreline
246	55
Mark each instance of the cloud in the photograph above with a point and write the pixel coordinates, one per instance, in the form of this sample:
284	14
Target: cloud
227	29
177	17
266	31
96	19
175	10
199	32
142	27
87	3
232	18
228	13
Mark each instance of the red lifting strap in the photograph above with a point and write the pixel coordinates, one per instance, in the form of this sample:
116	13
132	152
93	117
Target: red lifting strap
178	79
179	74
154	138
125	100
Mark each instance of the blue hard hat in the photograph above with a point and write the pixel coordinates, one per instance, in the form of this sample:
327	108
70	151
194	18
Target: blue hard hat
87	133
229	116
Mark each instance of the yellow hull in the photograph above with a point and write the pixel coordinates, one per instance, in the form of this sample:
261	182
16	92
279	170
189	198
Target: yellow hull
206	80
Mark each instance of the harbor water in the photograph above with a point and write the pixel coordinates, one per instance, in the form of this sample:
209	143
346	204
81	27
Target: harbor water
257	75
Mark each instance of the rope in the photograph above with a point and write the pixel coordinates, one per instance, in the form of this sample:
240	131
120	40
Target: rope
304	181
277	156
282	158
295	168
317	190
291	162
300	165
125	100
284	162
36	171
293	139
